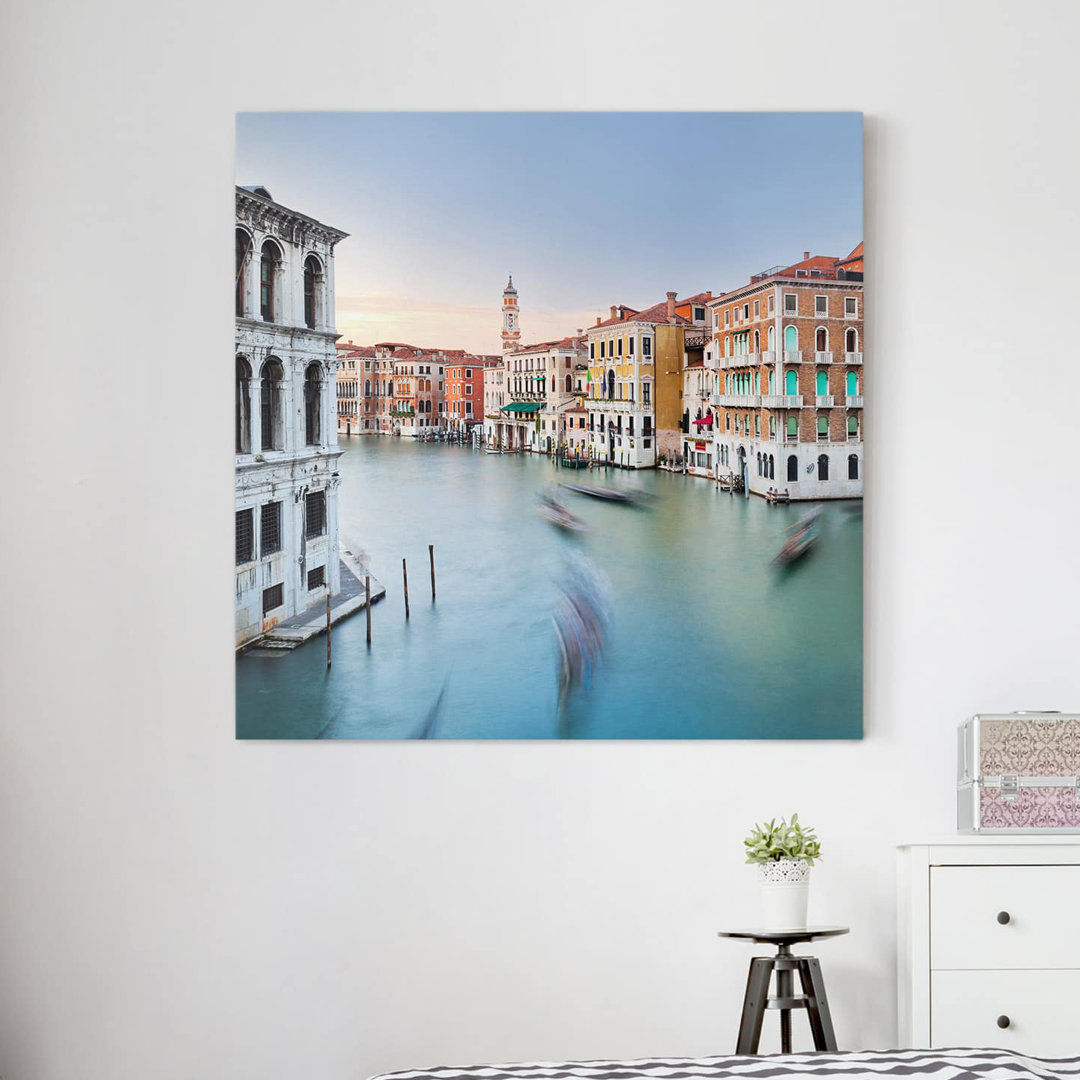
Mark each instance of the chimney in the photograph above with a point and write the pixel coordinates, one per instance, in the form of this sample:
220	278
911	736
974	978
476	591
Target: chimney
613	310
671	306
597	320
580	331
708	294
805	255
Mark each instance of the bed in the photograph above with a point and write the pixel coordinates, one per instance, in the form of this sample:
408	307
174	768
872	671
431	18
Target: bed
846	1065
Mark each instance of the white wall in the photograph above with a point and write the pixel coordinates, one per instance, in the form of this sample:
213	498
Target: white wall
177	904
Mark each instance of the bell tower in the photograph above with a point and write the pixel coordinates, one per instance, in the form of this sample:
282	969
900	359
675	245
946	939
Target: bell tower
511	330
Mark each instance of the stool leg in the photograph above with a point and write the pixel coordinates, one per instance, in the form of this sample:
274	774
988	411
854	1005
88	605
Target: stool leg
757	998
783	989
817	1007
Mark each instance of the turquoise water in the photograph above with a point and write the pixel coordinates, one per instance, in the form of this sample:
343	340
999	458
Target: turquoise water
709	638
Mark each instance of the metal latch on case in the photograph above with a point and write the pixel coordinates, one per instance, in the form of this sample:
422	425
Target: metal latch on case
1010	788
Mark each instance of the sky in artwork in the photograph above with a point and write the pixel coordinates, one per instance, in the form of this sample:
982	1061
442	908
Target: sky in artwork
585	210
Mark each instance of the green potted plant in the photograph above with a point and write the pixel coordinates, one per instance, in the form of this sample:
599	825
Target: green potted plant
783	854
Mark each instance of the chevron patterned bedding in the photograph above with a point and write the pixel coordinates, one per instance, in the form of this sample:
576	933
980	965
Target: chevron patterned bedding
845	1065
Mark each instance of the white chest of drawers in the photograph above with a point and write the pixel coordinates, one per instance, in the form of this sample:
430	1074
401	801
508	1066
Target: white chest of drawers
989	944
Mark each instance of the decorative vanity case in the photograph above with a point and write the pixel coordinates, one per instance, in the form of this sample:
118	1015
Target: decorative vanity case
1019	772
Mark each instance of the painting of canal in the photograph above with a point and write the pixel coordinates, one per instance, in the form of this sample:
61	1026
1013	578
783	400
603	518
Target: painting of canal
530	447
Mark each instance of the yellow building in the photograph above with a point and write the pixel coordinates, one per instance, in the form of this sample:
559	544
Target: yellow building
636	361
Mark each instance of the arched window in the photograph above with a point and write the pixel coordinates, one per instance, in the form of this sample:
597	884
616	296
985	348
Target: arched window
757	341
822	383
821	339
569	384
851	340
792	467
772	467
772	338
853	467
243	406
312	404
271	405
852	427
823	428
367	388
611	385
791	339
243	251
852	383
791	383
269	265
791	427
759	472
312	279
823	467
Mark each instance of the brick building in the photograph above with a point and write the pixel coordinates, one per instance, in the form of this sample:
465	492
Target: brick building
465	389
787	364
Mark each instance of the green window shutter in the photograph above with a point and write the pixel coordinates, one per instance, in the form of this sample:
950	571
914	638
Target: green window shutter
793	425
823	425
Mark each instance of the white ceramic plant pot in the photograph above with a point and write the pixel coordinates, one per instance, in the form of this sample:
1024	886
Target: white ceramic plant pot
785	892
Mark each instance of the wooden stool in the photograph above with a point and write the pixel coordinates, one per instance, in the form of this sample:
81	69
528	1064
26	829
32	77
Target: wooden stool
784	963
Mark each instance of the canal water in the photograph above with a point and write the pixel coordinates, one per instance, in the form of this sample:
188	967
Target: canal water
708	638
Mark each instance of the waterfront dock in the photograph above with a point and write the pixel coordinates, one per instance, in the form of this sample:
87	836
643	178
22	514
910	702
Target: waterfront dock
351	598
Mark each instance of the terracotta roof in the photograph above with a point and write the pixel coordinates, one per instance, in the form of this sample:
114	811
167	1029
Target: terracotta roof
658	314
856	253
544	345
392	345
700	298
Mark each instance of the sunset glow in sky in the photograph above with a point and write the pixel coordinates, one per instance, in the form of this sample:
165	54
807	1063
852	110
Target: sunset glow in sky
585	209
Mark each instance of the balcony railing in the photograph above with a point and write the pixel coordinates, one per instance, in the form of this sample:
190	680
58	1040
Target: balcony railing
854	401
744	360
793	356
853	358
768	357
782	401
823	357
824	401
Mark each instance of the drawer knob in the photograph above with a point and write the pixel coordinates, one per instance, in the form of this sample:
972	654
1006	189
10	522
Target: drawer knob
1003	1022
1004	918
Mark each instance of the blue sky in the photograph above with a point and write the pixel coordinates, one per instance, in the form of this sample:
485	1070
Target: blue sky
585	209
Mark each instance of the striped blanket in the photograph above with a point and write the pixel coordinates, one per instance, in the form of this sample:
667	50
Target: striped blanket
844	1065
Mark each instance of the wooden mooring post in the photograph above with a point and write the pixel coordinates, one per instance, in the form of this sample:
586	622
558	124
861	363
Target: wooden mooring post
367	591
405	580
431	557
328	653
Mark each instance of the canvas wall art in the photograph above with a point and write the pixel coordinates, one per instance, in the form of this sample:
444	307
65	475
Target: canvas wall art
549	426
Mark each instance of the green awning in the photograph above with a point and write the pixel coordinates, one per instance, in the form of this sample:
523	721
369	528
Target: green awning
523	407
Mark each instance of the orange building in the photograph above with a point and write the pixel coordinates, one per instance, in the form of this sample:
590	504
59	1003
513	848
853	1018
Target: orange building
465	389
786	358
